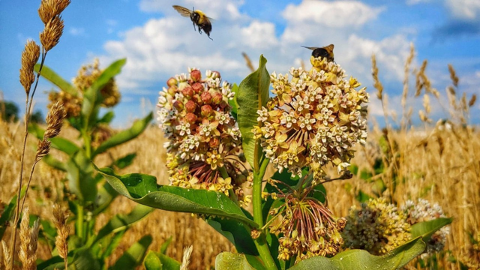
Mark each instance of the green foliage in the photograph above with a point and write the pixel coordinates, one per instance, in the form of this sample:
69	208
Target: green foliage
143	189
158	260
91	194
228	260
361	259
252	95
9	111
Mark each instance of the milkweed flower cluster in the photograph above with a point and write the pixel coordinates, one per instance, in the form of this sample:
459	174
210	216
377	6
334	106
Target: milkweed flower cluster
424	211
306	226
204	140
377	227
314	119
87	75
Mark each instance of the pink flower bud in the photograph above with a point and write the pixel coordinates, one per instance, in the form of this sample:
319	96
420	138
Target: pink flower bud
197	87
196	75
217	98
178	105
187	92
190	118
206	97
206	110
171	82
190	106
214	143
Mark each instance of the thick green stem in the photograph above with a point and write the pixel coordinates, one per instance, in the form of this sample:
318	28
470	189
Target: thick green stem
260	242
80	222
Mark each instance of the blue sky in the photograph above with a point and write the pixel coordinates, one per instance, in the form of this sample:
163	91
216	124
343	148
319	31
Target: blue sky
159	43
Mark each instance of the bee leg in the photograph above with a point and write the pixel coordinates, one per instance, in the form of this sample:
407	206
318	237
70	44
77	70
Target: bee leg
209	37
194	28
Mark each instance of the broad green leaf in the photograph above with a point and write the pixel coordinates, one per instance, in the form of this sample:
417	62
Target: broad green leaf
8	213
134	255
236	233
427	228
361	259
126	135
79	259
169	263
80	180
105	196
125	161
121	222
143	189
252	95
107	117
112	243
54	78
152	262
232	261
233	102
92	97
54	163
59	143
163	248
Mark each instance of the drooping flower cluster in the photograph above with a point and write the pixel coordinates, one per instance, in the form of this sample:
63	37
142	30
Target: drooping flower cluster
306	227
314	119
377	227
204	141
85	78
424	211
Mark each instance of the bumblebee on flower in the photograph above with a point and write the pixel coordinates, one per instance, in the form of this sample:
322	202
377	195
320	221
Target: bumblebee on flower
314	118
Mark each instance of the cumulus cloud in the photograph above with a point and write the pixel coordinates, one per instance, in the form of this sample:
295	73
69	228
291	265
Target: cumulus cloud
464	9
77	31
168	45
338	14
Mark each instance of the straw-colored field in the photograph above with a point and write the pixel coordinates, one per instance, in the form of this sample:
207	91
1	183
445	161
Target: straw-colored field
440	165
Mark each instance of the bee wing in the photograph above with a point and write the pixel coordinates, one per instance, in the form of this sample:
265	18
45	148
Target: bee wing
185	12
311	48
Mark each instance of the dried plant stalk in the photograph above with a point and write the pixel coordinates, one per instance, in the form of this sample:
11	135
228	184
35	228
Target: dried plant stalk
187	252
248	62
60	217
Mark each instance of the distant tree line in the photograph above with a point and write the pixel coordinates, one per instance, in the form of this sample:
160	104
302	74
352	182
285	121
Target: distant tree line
9	112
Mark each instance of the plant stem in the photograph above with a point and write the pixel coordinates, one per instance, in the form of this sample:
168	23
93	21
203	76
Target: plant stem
260	242
80	223
28	110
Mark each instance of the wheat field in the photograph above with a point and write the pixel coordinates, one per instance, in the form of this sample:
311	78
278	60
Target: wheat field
439	164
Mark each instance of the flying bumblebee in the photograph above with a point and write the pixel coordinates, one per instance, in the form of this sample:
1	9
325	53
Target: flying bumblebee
198	18
326	52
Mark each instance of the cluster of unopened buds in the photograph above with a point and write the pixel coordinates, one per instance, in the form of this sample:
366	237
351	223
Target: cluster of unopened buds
204	141
424	211
379	227
314	119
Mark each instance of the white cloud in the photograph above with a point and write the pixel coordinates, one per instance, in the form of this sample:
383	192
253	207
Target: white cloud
77	31
259	35
415	2
338	14
464	9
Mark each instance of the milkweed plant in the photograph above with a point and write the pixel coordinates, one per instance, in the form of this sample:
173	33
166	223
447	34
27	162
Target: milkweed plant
221	138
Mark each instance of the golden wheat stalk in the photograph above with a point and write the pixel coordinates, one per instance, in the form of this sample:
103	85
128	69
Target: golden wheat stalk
60	217
248	62
49	13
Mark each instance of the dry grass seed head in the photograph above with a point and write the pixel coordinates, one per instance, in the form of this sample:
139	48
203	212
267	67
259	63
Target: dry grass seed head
248	62
52	33
43	149
377	84
187	252
51	8
472	100
453	75
6	256
30	56
55	117
60	217
28	242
